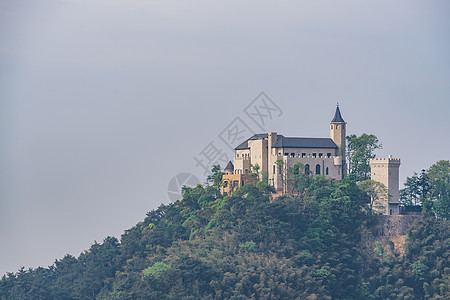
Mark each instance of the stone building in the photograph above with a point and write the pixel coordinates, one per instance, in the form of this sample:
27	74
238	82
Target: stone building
232	181
386	171
275	153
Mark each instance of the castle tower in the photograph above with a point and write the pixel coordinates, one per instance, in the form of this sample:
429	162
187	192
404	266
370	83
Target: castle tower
386	171
337	134
229	169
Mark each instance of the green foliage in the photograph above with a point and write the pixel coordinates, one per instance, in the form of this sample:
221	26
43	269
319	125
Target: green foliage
375	195
419	270
249	246
156	270
216	177
431	189
416	189
359	151
439	178
312	244
322	273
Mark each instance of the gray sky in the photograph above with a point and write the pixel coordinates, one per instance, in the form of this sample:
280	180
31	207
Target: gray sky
103	102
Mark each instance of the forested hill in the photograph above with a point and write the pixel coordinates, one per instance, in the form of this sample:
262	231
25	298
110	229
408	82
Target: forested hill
314	245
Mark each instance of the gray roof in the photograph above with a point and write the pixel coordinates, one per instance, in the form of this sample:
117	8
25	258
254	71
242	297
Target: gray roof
337	116
258	136
292	142
298	142
229	166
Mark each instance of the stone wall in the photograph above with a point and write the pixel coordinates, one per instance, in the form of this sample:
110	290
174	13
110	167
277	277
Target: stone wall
392	225
391	228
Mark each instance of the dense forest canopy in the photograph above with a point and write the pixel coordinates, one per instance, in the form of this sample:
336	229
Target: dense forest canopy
314	243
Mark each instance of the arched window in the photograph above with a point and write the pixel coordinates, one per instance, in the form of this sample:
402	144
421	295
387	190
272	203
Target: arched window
307	169
326	171
317	169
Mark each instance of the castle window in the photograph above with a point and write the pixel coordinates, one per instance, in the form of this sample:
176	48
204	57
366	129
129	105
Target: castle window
236	183
274	169
225	184
337	126
242	182
326	171
286	154
328	155
320	154
331	126
237	155
292	154
303	154
246	171
317	169
307	169
314	154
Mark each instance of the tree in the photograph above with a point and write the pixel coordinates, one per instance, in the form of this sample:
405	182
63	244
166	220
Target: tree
298	180
375	194
416	189
439	179
255	170
431	189
359	151
216	177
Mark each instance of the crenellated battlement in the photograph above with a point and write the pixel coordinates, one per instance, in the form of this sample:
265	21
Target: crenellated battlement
385	159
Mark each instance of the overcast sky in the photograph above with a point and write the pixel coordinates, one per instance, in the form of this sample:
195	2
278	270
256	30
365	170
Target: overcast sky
103	102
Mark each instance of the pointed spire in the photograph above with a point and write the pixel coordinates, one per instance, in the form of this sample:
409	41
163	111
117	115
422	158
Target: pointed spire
229	166
337	115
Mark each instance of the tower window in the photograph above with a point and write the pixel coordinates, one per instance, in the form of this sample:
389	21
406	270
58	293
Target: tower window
331	126
337	126
326	171
274	169
317	169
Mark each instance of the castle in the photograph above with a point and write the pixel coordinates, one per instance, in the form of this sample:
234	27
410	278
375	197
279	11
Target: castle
274	154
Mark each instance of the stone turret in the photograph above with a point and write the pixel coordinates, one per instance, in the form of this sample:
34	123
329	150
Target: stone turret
229	169
337	134
386	171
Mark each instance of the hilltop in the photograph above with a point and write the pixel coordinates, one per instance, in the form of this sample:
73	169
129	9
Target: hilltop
316	245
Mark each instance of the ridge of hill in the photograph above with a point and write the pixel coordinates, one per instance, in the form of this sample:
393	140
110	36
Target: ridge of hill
319	244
